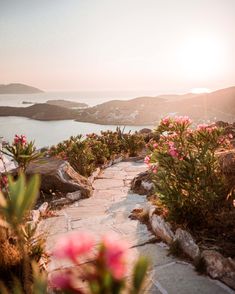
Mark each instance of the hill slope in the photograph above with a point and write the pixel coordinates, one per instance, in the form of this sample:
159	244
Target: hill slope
16	88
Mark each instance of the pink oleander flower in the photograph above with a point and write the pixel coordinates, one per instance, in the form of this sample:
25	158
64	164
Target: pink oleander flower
173	152
147	159
183	120
20	139
165	120
115	255
154	170
155	145
202	127
171	144
61	280
73	245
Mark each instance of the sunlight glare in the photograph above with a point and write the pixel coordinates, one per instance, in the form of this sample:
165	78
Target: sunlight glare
202	57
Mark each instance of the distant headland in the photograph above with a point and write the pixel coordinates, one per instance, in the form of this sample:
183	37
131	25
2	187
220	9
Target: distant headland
16	88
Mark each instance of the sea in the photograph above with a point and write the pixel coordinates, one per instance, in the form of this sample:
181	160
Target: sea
48	133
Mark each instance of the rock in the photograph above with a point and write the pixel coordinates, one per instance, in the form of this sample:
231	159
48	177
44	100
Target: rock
58	175
35	215
145	131
187	243
219	267
227	163
43	208
75	196
60	202
161	228
221	124
142	184
94	175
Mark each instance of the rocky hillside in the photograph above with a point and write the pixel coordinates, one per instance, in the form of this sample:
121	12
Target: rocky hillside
18	89
218	105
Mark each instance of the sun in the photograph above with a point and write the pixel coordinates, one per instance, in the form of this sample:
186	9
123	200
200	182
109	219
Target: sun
201	57
200	90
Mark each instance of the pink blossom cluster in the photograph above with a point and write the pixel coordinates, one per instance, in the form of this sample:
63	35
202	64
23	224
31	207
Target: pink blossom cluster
165	121
173	150
115	255
112	254
183	120
20	140
205	127
147	159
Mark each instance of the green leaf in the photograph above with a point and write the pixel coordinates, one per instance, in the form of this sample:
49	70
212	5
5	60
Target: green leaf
139	274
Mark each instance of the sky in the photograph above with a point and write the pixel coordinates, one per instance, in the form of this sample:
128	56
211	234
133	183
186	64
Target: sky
98	45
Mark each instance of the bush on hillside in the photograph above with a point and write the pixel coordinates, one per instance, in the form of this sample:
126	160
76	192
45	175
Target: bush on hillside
186	171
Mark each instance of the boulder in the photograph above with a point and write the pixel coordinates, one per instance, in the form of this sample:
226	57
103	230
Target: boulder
142	184
58	175
219	267
227	163
187	244
161	229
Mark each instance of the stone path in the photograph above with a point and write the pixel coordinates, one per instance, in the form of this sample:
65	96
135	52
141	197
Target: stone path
107	211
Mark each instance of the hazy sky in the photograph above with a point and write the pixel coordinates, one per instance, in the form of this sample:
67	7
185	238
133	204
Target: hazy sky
162	45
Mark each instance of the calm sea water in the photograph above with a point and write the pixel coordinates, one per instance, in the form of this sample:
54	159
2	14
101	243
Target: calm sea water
47	133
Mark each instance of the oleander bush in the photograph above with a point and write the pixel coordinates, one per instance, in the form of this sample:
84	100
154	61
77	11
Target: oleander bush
186	172
85	154
22	151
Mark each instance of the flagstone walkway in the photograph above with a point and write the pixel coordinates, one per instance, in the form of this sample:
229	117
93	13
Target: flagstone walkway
108	211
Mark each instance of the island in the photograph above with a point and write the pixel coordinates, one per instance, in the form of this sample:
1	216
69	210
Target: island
218	105
67	103
16	88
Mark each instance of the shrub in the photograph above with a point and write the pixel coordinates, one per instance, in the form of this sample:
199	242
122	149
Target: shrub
133	143
19	247
22	151
86	154
77	152
186	172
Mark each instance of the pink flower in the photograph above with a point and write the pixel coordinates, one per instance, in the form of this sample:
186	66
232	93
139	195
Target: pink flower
165	121
115	255
230	136
173	152
147	159
61	280
20	139
73	245
154	170
16	139
155	145
202	127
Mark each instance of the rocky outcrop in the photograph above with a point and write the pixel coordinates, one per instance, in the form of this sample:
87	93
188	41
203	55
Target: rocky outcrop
142	184
58	175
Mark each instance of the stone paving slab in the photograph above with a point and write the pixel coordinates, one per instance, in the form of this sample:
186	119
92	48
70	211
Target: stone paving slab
107	211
